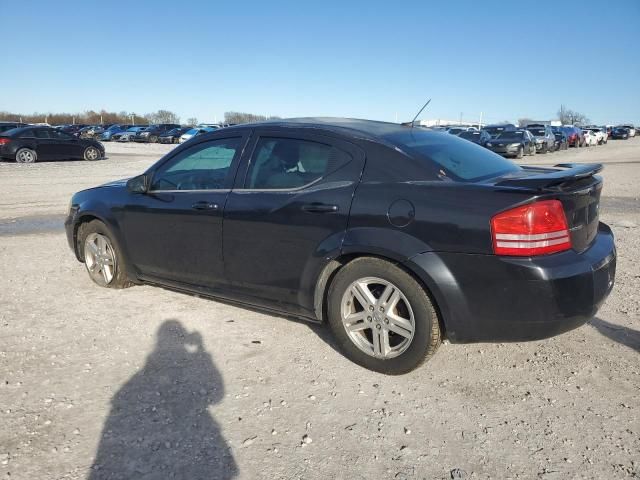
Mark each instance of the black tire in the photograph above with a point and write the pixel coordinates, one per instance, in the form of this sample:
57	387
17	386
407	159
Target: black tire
120	279
153	139
26	155
91	154
520	153
426	337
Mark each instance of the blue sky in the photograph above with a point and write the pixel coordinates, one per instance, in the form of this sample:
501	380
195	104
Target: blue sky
364	59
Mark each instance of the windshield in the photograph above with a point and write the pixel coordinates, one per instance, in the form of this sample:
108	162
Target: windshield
470	135
193	131
514	135
538	132
459	159
133	129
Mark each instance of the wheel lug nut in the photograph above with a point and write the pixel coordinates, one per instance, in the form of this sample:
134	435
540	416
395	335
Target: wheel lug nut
371	308
378	326
382	309
369	318
386	320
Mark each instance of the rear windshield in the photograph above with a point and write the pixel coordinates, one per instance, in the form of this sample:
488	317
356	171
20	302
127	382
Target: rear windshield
457	158
537	131
469	135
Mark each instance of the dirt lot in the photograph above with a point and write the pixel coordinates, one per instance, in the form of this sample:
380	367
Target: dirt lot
96	382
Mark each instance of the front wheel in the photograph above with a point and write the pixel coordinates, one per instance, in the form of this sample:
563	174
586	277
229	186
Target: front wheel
26	155
520	153
102	258
153	139
381	317
91	154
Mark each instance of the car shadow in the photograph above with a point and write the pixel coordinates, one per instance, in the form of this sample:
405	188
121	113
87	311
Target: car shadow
623	335
159	425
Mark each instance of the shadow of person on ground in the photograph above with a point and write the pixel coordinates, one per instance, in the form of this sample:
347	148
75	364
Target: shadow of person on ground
159	426
626	336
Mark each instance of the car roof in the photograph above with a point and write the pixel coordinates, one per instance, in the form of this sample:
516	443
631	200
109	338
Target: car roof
353	127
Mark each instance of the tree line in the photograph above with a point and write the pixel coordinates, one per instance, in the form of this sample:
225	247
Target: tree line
93	117
565	115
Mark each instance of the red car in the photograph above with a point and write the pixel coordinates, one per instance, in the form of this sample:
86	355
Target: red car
575	136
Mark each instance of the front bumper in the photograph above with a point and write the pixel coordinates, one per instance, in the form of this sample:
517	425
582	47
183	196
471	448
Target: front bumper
504	149
488	298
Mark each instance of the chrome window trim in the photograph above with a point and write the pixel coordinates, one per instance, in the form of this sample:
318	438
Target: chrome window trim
220	190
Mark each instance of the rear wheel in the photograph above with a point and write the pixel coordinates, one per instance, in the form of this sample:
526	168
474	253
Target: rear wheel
381	317
153	139
102	257
26	155
91	154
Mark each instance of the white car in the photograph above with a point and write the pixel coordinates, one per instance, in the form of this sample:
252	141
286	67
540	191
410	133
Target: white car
631	128
193	132
601	135
589	138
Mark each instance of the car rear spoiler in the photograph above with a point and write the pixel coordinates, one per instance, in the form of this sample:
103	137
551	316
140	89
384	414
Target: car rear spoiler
566	172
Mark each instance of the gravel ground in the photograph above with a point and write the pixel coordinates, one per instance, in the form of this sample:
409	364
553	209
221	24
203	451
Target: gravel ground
147	383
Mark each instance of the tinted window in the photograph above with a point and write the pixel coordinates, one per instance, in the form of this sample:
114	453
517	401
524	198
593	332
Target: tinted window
457	158
41	133
202	167
470	135
537	131
515	135
284	163
60	135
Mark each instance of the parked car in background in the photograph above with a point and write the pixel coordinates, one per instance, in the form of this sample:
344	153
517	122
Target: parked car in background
478	137
173	135
152	132
495	130
459	129
545	139
574	135
590	138
619	133
31	144
72	129
513	143
4	126
195	132
630	128
106	136
600	133
127	135
404	261
561	140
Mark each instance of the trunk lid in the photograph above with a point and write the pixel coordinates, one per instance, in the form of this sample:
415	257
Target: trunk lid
578	188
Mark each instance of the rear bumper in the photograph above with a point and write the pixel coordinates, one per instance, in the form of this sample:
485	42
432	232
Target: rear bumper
488	298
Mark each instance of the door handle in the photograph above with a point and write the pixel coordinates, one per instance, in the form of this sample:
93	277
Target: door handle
204	206
319	208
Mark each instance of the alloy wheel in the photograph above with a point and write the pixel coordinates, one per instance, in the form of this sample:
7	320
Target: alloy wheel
91	153
25	156
100	258
377	317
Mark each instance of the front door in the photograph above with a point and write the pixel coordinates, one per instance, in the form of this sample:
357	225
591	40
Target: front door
174	231
288	213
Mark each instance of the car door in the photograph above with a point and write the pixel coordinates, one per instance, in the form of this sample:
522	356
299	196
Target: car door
174	231
288	213
45	144
66	146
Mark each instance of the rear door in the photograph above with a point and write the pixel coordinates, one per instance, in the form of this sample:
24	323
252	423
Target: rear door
174	231
288	212
45	144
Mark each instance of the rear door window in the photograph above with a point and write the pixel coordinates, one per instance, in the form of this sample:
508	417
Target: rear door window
41	133
289	163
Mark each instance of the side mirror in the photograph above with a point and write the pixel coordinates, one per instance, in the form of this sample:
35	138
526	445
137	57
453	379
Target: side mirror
139	184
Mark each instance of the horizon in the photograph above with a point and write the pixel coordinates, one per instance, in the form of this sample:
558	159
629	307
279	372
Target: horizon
355	60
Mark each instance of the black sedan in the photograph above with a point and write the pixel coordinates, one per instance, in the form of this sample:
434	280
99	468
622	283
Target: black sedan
31	144
619	133
513	143
395	236
478	137
173	135
153	132
561	142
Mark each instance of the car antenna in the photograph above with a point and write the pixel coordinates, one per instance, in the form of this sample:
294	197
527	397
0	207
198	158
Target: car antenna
423	107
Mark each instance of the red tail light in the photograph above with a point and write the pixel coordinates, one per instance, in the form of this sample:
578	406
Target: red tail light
4	141
535	229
